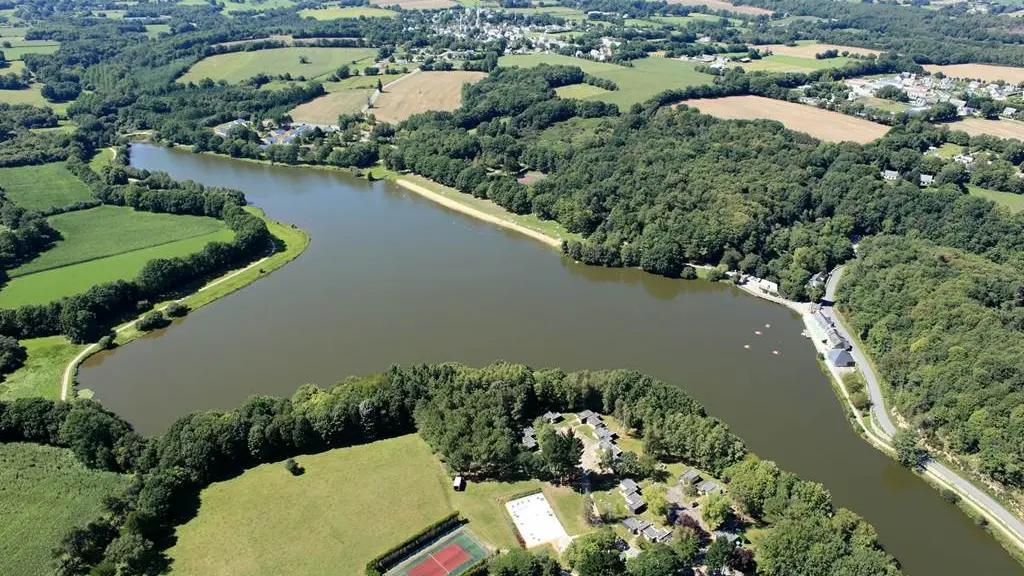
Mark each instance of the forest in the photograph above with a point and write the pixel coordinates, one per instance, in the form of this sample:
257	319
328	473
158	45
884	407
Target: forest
803	532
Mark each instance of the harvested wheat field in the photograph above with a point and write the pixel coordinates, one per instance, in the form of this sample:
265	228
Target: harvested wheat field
415	4
822	124
723	5
809	50
327	108
986	72
1000	128
421	92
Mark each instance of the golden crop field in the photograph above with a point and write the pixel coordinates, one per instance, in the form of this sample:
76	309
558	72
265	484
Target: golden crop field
421	92
1000	128
723	5
986	72
415	4
822	124
809	50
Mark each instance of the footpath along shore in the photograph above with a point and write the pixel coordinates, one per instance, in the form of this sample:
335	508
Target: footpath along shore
1007	523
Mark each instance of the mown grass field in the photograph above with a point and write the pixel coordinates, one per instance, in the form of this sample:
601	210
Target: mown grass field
1015	202
782	63
41	374
415	4
327	108
350	505
335	12
20	47
154	30
422	92
32	95
41	187
239	66
44	492
647	77
581	92
100	159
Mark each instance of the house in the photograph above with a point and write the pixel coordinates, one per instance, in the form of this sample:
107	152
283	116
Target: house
223	129
840	358
708	487
731	537
927	180
635	525
588	417
653	534
635	502
459	484
628	486
965	159
890	175
529	442
603	433
607	446
690	477
552	417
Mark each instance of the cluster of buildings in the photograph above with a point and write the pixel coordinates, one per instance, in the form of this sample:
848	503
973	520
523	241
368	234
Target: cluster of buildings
693	478
639	526
605	436
529	439
837	347
927	90
268	136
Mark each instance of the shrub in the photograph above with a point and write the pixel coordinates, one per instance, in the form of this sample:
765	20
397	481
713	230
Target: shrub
688	273
293	467
152	321
176	310
107	342
949	496
716	275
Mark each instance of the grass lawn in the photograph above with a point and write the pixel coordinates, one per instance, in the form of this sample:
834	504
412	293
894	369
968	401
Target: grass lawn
239	66
573	132
32	95
647	76
268	522
948	150
44	492
781	63
334	12
40	187
100	159
883	104
154	30
581	92
41	374
1015	202
13	32
230	6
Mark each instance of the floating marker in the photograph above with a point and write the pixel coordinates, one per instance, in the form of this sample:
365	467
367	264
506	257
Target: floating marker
776	352
758	332
746	346
767	325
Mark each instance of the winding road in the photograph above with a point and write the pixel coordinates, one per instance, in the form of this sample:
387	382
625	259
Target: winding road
1000	517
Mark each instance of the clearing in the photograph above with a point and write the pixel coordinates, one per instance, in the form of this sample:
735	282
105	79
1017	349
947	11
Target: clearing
822	124
723	5
32	95
239	66
1014	202
422	92
1000	128
415	4
20	47
44	492
985	72
40	376
335	12
350	505
809	49
647	76
782	63
45	186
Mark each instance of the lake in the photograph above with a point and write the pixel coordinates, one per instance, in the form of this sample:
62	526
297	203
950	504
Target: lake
392	278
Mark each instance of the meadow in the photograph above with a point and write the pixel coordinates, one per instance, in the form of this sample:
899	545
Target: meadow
45	492
822	124
20	47
808	49
415	4
782	63
335	12
348	506
723	5
37	188
421	92
647	77
31	95
239	66
1013	202
40	376
984	72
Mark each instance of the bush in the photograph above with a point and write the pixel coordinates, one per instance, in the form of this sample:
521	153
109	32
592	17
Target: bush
152	321
688	273
293	467
107	342
176	310
949	496
716	275
860	401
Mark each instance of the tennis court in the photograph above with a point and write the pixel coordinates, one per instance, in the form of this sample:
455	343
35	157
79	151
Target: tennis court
453	554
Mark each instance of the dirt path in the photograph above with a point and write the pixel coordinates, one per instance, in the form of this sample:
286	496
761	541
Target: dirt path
470	211
71	369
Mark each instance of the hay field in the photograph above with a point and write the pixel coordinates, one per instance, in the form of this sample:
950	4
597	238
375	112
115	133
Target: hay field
327	108
240	66
647	76
782	63
335	12
822	124
40	187
422	92
415	4
723	5
985	72
45	492
1000	128
808	50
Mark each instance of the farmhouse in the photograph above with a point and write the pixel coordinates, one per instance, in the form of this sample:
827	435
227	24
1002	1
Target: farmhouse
731	537
927	180
890	175
529	438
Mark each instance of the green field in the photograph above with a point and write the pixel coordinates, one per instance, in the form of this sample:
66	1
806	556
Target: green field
883	104
694	17
1015	202
560	11
13	32
581	92
44	492
781	63
154	30
350	505
647	76
20	47
41	374
100	159
335	12
239	66
31	96
41	187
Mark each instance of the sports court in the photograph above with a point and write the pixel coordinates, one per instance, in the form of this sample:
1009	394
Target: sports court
453	554
536	521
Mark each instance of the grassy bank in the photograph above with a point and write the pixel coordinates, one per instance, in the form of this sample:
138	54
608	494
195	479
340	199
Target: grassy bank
40	376
45	492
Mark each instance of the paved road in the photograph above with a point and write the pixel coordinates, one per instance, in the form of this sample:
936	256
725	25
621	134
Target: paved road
935	469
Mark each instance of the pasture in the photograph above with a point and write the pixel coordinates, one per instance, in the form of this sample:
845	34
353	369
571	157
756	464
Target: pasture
822	124
999	128
238	66
20	47
809	49
32	95
37	188
647	76
1013	202
781	63
415	4
581	92
41	374
421	92
335	12
983	72
155	30
727	6
350	505
44	492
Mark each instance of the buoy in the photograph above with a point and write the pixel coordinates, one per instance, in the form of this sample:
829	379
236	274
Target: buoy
746	346
758	332
776	352
767	325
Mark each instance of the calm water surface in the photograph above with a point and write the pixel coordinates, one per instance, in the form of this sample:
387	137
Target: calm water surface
391	278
